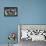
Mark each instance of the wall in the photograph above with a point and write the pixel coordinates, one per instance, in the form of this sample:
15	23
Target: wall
29	12
33	12
7	24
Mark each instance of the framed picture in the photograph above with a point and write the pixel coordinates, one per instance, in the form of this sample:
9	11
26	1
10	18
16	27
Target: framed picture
10	11
33	32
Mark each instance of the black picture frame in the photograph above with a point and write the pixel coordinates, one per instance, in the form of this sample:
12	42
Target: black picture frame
10	11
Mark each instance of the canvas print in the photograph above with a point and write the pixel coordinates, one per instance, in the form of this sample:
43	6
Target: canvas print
10	11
